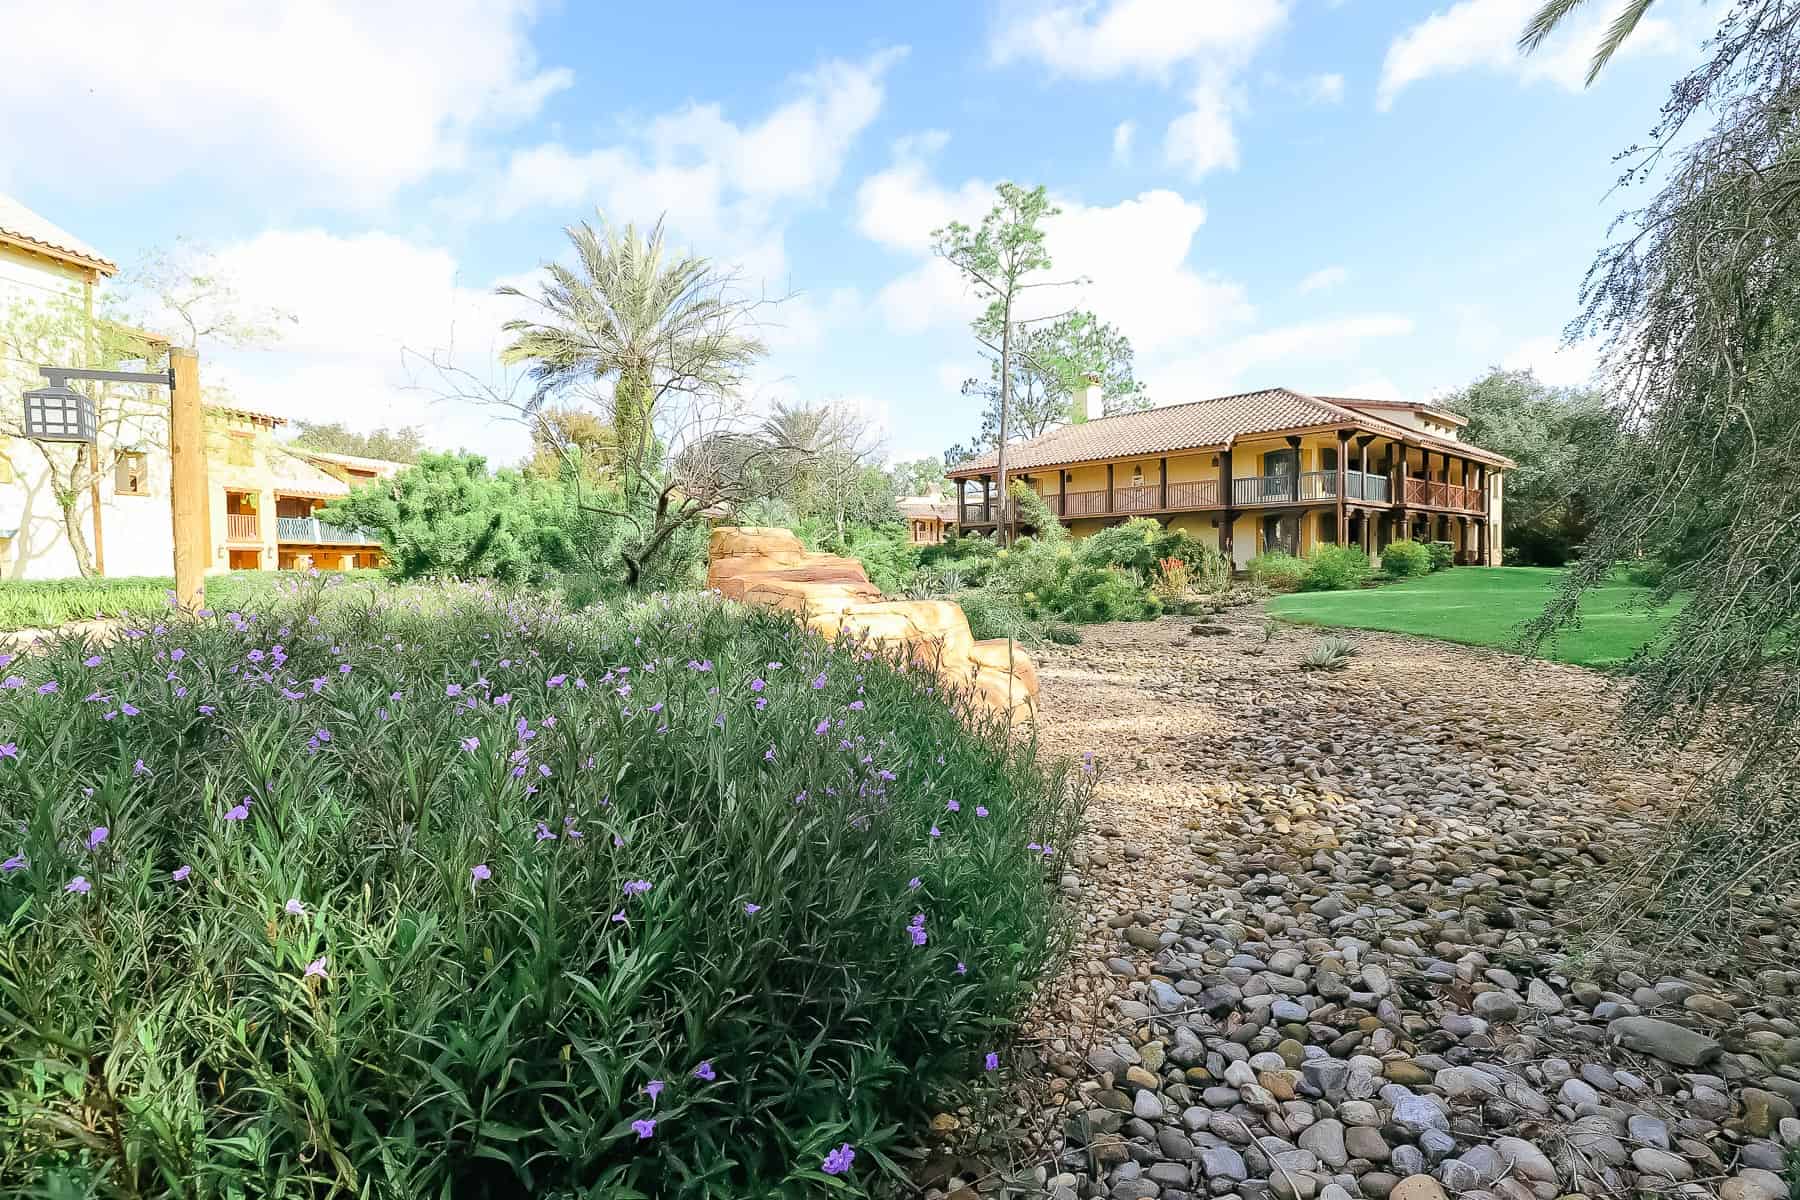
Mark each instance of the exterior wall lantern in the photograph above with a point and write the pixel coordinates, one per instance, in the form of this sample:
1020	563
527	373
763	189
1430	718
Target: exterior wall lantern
59	413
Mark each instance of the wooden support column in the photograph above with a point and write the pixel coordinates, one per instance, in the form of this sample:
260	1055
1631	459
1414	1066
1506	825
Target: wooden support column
1109	487
1162	500
1343	480
1398	483
1294	477
1481	542
1062	494
1228	517
187	481
962	503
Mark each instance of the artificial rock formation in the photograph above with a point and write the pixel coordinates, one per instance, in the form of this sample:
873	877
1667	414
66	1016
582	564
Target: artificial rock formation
832	594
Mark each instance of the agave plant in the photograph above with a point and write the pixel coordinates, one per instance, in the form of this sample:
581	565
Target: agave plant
1328	654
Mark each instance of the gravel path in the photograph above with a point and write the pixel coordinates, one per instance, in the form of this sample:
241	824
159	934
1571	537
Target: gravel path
1331	946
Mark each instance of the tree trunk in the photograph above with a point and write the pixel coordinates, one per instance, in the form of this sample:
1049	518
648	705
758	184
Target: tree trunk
631	428
1005	526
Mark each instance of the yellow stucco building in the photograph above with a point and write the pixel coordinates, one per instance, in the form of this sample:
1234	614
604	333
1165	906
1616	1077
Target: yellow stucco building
1266	470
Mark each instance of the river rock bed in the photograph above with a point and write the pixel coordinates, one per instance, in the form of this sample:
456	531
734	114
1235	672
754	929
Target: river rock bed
1332	942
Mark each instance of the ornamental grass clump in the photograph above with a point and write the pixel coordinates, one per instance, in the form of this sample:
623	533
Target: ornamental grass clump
453	893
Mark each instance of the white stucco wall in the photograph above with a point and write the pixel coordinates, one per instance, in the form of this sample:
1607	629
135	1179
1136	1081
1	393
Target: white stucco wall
136	533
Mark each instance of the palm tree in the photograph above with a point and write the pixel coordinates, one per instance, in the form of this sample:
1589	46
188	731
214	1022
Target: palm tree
1554	11
653	323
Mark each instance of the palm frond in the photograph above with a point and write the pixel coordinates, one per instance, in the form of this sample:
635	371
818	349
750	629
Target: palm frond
1616	33
1544	23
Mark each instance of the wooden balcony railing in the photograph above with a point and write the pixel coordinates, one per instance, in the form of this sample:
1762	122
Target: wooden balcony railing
1199	493
242	527
1432	493
1143	497
316	532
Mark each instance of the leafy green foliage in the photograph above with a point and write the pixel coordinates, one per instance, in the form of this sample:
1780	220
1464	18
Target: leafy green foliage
47	603
1334	568
1550	432
1277	570
447	517
365	918
404	443
1405	560
1443	554
890	561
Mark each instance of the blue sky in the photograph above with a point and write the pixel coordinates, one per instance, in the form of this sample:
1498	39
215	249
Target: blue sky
1363	197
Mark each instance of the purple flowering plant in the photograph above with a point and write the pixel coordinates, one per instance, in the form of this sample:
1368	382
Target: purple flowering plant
444	903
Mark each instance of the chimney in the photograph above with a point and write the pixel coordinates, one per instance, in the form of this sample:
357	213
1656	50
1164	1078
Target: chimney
1089	400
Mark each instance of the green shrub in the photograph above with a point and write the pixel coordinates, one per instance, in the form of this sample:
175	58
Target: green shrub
996	613
1645	572
890	561
1405	560
364	918
47	603
1335	568
1107	594
1443	554
1277	570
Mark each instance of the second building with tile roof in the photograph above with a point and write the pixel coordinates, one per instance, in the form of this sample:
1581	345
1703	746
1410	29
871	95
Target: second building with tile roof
1275	469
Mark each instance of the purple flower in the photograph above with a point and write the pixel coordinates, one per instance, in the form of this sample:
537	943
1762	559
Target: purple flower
822	727
757	685
92	661
769	754
818	681
981	810
453	689
9	750
705	1071
206	710
324	735
471	743
644	1127
138	768
962	968
913	883
653	1089
993	1062
935	832
79	885
181	873
543	830
238	812
316	969
15	863
750	910
44	689
619	916
478	873
96	835
953	806
294	908
839	1160
637	887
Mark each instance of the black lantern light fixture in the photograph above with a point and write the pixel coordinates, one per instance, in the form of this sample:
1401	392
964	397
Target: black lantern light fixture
59	413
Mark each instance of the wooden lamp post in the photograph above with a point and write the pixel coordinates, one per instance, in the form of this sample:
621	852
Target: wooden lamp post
59	413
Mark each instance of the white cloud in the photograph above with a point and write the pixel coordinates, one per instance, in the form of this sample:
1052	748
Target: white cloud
1133	256
1289	347
1202	139
721	184
1090	40
1325	89
1484	34
336	102
1323	278
359	301
901	205
1123	135
1555	363
1207	44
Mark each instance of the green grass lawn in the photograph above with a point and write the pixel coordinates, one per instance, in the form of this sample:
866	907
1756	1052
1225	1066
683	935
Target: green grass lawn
1486	606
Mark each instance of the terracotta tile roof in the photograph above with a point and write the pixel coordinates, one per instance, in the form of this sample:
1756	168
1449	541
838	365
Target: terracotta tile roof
1203	425
1429	409
920	507
19	224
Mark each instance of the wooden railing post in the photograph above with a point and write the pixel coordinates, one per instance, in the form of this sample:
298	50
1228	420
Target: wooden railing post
1109	488
1163	484
1228	516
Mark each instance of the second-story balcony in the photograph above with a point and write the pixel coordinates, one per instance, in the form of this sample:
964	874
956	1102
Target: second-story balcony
1254	491
312	531
243	527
